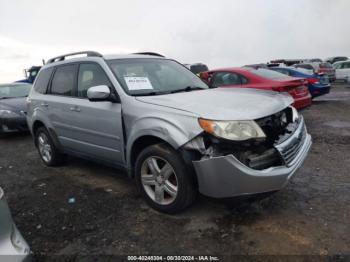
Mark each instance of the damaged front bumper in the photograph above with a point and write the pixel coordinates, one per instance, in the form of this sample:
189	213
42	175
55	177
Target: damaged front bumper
226	176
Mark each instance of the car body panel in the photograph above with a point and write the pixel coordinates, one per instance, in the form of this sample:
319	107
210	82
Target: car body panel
225	103
342	70
18	121
8	233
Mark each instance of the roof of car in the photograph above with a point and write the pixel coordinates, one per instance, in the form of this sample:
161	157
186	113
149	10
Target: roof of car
236	69
340	62
73	57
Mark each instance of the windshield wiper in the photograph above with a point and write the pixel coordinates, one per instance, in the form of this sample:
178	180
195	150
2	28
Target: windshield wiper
187	89
150	94
5	97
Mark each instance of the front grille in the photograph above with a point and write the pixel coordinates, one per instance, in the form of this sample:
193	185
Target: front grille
291	149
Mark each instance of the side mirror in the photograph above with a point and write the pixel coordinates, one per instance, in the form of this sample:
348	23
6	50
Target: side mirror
99	93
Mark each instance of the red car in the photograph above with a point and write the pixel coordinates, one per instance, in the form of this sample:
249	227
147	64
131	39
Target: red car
260	78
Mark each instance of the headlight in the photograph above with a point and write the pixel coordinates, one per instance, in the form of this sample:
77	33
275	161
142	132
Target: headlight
8	114
232	130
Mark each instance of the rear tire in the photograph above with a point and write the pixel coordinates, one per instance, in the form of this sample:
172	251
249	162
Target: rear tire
48	152
164	180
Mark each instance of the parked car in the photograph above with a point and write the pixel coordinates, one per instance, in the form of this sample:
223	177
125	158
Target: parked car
313	60
159	121
260	78
309	67
11	241
317	67
197	68
318	84
13	107
334	59
342	70
287	62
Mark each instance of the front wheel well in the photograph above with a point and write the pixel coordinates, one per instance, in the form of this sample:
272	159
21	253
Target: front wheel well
140	144
37	124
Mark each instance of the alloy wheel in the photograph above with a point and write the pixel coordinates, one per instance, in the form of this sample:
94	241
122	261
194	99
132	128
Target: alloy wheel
159	180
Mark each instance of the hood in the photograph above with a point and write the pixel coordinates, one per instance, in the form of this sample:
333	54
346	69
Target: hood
224	103
14	104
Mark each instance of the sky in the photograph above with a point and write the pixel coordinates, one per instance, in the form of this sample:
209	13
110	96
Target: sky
219	33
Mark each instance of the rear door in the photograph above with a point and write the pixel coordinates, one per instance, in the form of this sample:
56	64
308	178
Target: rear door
96	127
60	99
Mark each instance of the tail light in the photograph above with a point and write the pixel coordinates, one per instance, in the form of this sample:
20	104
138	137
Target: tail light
283	88
313	81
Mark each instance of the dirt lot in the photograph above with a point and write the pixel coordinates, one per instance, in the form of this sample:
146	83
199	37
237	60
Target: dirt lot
310	216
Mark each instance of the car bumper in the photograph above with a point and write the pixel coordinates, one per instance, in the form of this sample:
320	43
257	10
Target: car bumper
9	125
226	176
302	102
13	247
322	90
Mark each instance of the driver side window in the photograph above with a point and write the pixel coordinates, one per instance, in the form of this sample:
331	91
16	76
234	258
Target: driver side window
90	74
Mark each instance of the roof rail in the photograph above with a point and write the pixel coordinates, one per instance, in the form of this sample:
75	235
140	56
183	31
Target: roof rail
63	57
149	53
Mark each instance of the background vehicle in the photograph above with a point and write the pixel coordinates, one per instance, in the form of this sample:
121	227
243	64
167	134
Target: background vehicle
316	67
287	62
13	107
310	67
342	70
326	68
313	60
30	75
11	240
334	59
153	117
318	84
260	78
197	68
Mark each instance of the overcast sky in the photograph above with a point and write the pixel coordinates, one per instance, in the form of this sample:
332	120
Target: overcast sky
218	33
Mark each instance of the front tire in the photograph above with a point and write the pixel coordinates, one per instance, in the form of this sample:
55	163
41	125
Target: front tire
164	179
48	152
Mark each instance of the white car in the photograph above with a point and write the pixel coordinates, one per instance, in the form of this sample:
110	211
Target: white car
342	70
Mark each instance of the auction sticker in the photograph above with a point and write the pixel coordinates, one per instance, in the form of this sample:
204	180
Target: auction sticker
138	83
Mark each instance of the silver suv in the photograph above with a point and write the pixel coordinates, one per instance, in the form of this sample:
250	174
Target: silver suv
153	117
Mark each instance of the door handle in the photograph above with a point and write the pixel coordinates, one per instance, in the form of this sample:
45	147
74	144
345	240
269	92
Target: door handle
44	104
75	109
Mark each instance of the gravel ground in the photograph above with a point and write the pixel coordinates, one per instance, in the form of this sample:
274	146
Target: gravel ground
311	216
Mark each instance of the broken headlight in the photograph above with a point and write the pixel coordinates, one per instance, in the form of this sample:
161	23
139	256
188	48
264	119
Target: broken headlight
232	130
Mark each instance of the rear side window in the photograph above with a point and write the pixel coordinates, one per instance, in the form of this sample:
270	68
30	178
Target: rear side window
226	78
269	74
90	75
43	80
63	81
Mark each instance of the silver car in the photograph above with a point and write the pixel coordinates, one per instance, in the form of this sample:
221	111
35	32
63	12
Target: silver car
12	245
153	117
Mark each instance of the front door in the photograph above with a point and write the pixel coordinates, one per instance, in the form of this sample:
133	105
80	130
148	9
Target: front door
97	126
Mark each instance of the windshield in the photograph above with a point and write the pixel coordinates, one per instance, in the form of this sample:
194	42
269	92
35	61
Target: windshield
269	74
145	76
14	90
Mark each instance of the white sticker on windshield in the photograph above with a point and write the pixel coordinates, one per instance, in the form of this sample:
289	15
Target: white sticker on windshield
138	83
